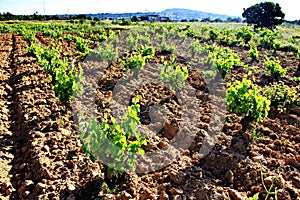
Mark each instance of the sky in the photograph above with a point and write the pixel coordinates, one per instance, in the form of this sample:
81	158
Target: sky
227	7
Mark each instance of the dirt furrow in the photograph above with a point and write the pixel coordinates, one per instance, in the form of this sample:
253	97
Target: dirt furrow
47	161
6	137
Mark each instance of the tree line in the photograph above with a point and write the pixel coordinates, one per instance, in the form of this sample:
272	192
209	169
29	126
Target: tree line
9	16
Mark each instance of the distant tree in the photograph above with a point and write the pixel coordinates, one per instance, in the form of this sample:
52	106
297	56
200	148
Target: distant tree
234	19
134	19
89	18
194	20
81	16
218	20
183	20
264	15
125	22
206	19
2	18
96	19
8	16
82	21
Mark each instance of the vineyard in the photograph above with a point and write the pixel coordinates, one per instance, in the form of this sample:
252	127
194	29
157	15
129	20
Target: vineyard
149	111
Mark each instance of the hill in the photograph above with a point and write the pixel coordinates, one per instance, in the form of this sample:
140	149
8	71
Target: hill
179	14
175	14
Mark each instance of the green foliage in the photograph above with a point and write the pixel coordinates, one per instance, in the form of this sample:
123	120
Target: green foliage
34	49
134	61
244	98
49	58
138	60
52	33
213	34
131	42
174	74
253	53
223	59
274	67
82	46
81	34
145	40
256	134
101	37
68	82
165	47
116	143
28	35
281	95
244	35
68	37
147	53
226	37
277	45
196	48
264	15
124	22
255	197
108	53
113	38
267	38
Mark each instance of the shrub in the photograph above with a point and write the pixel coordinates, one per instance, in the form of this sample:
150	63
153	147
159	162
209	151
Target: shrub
145	40
277	45
274	67
49	58
196	48
116	143
131	42
68	37
138	60
226	37
124	22
82	46
134	61
244	34
108	53
68	82
147	53
164	47
223	59
34	49
267	39
174	74
253	53
281	95
213	34
244	98
29	36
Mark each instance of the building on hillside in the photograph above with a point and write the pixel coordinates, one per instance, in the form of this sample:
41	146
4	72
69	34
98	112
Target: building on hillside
164	19
153	18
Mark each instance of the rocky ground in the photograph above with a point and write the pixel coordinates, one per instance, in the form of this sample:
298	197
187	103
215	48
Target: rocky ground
41	158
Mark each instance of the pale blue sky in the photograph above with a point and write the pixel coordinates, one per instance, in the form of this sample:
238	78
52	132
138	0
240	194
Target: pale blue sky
229	7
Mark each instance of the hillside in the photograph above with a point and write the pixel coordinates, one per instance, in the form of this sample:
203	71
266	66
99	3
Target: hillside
179	13
175	14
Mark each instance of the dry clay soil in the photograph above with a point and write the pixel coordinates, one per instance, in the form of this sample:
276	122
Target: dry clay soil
40	154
